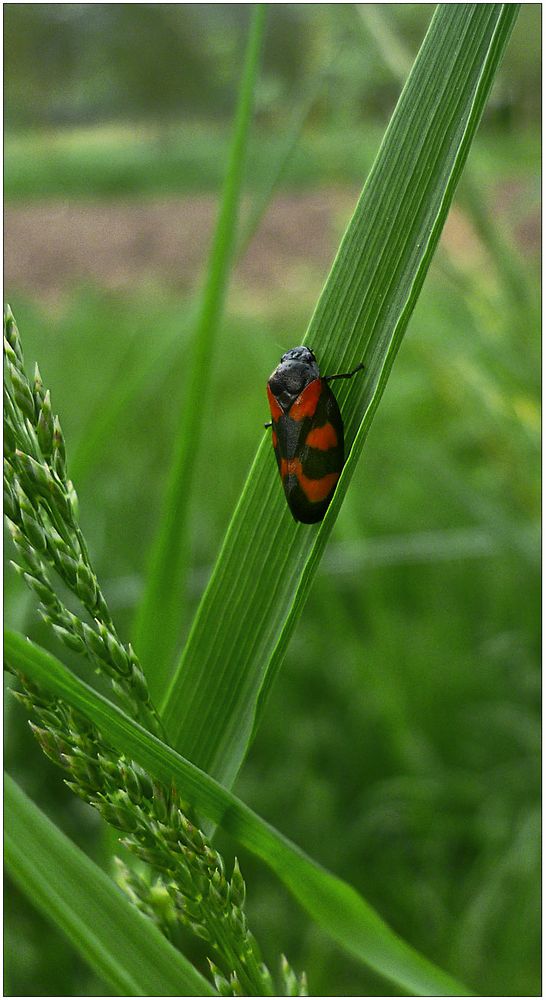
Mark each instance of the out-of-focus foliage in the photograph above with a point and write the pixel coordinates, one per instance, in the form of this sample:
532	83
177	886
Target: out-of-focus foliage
70	63
400	746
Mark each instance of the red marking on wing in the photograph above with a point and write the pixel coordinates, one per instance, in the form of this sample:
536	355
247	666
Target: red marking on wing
318	489
322	438
274	405
314	489
306	403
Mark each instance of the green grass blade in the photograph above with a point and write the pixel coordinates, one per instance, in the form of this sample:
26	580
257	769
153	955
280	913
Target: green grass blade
118	941
292	137
511	269
267	562
133	375
392	49
143	365
334	904
507	259
158	622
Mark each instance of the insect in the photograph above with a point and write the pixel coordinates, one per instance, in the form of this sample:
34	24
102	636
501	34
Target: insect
307	433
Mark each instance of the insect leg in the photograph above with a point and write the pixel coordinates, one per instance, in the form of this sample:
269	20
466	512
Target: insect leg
330	378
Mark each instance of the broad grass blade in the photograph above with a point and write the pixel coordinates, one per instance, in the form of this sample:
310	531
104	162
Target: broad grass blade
267	562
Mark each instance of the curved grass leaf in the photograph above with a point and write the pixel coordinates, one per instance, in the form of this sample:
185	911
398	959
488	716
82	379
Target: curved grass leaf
158	624
267	563
119	942
332	903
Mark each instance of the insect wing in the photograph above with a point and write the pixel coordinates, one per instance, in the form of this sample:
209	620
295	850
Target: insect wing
308	444
278	434
318	461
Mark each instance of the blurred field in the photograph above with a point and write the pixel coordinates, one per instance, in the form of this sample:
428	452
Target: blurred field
401	743
53	244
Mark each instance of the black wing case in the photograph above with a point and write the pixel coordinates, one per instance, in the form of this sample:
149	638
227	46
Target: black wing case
310	454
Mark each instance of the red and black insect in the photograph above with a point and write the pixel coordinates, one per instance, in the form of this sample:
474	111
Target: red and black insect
307	433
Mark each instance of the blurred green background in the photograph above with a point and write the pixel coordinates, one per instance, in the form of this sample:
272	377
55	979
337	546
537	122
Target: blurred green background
401	743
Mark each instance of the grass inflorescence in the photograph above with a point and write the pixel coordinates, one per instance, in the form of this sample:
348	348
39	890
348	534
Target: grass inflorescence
41	508
191	887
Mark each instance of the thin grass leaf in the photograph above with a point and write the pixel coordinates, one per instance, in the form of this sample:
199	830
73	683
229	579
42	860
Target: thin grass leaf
122	391
267	563
120	943
393	50
512	274
299	117
158	621
332	903
132	375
